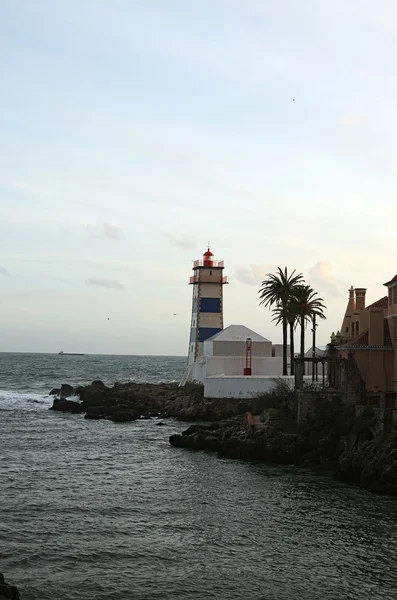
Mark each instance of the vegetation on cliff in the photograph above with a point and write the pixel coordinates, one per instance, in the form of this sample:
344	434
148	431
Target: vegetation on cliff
332	434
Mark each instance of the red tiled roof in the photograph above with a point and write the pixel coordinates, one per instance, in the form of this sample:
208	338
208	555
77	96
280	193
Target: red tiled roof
394	280
362	340
381	303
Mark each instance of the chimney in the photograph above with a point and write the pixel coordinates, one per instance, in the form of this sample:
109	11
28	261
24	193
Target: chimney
351	304
360	298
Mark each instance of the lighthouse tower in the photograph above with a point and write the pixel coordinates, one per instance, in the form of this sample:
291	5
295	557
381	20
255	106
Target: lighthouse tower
207	307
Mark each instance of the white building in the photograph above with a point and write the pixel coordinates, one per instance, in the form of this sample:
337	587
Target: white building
221	366
217	356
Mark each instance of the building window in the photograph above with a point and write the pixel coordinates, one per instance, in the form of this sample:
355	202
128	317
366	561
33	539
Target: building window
357	327
347	330
395	294
192	348
390	296
194	322
210	272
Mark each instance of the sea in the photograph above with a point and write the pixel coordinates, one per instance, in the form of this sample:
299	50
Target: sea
94	510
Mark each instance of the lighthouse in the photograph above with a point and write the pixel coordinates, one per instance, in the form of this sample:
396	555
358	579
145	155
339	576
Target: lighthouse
207	306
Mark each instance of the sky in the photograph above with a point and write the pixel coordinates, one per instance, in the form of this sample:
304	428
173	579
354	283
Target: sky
134	131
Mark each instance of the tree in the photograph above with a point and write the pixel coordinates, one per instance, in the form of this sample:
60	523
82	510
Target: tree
289	314
306	304
276	292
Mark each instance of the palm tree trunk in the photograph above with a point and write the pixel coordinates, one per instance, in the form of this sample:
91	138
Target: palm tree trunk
285	344
291	347
302	354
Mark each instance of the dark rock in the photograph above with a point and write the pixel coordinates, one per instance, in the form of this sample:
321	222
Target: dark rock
97	384
99	412
200	428
96	397
55	392
62	405
66	390
9	592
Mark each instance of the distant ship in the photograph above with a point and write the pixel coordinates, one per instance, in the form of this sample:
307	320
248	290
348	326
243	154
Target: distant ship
62	353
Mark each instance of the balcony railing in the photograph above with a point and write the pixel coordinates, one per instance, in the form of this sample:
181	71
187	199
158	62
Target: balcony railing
207	279
215	263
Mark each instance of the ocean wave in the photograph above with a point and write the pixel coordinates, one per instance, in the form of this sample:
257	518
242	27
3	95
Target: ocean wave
11	399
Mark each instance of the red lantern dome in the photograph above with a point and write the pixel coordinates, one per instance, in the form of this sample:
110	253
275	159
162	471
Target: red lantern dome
208	258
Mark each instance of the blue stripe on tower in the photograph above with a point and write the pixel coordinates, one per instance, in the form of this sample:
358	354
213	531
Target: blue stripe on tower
207	332
210	305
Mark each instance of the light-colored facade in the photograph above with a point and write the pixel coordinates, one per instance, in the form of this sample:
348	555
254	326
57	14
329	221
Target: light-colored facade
224	359
232	342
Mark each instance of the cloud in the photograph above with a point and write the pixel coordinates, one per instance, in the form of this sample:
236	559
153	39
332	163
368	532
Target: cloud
178	242
321	275
252	274
3	271
352	120
110	284
105	230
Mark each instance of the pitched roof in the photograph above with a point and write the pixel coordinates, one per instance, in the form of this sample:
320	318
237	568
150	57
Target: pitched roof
237	333
381	303
362	340
320	351
394	280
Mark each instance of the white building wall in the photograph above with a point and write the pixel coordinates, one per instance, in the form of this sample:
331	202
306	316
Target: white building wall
234	365
240	387
239	348
208	348
278	350
198	371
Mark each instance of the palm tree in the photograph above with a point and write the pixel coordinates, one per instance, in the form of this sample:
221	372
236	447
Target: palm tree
289	314
306	305
277	291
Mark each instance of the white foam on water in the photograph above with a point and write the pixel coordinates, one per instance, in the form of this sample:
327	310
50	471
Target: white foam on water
12	399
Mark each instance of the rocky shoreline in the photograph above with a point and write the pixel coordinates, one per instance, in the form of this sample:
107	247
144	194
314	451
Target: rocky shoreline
333	436
133	401
7	591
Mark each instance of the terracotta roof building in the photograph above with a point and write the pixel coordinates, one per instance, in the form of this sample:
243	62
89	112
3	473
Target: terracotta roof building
368	335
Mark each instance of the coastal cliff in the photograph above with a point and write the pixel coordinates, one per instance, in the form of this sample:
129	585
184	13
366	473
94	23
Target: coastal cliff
332	435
